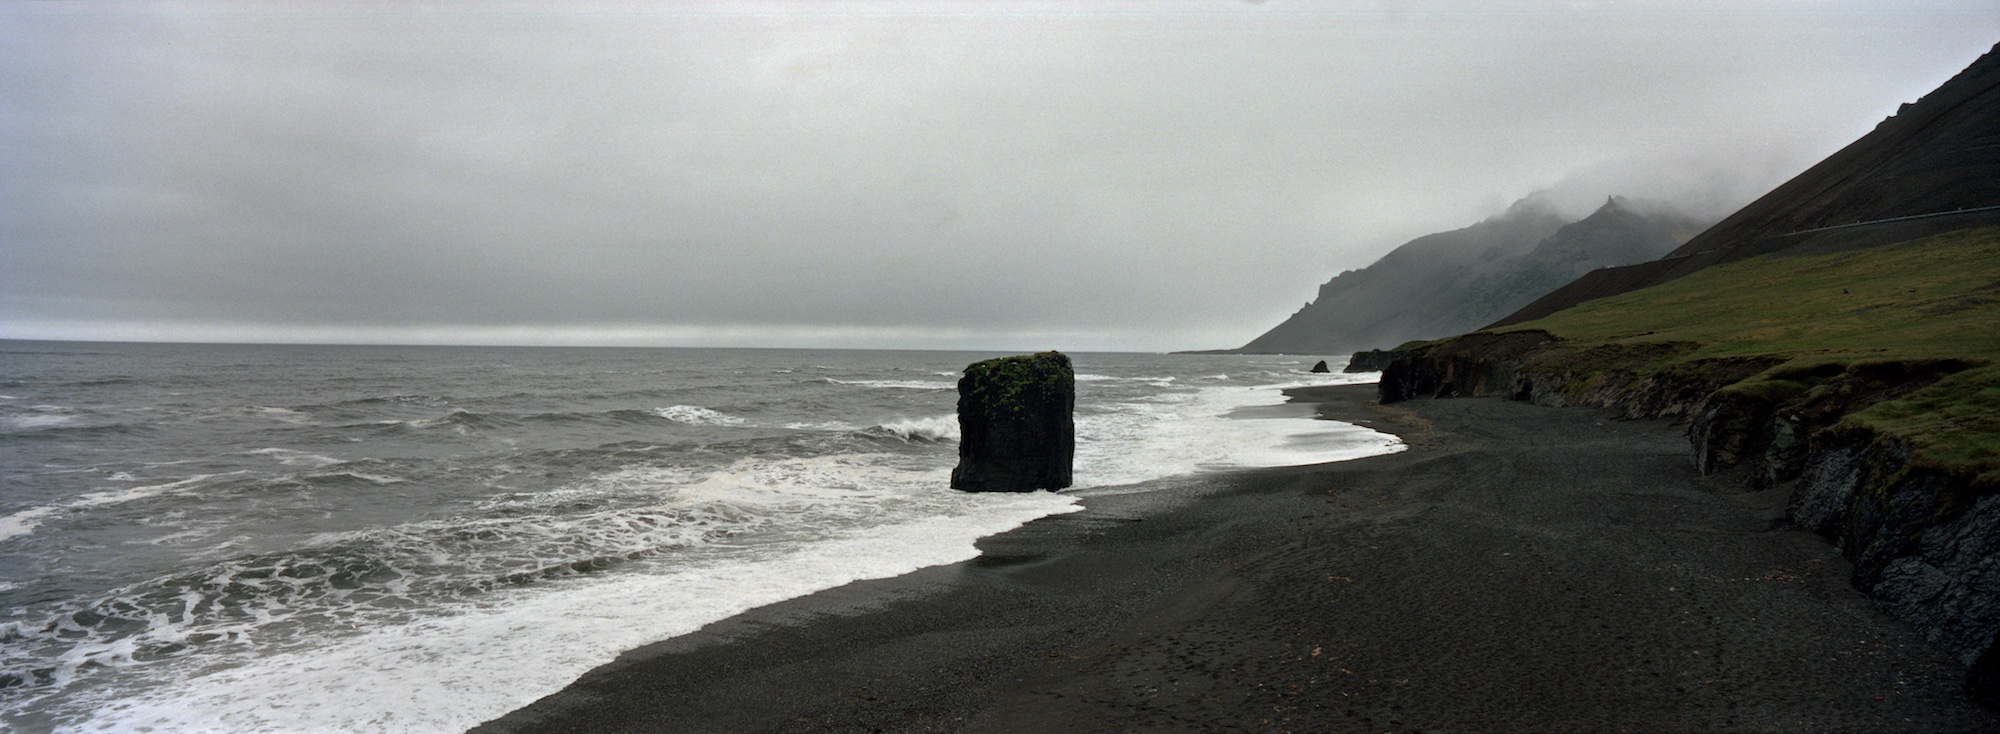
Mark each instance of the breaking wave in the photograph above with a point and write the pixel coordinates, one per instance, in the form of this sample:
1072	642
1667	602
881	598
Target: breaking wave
932	429
695	415
25	521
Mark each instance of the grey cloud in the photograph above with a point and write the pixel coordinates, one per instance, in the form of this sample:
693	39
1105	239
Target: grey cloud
1145	175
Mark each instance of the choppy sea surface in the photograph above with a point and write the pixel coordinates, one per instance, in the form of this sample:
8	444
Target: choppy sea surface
418	539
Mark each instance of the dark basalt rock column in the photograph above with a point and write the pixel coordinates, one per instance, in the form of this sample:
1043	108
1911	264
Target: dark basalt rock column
1016	428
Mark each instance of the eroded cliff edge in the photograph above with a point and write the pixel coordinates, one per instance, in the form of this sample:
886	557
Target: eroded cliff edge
1920	523
1837	339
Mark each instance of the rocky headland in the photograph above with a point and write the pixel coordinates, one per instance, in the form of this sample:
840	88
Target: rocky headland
1921	528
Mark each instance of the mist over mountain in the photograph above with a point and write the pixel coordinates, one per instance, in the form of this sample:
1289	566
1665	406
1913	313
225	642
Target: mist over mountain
1925	170
1452	282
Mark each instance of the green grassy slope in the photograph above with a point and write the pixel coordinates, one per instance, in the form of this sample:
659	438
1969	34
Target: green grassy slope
1935	297
1933	301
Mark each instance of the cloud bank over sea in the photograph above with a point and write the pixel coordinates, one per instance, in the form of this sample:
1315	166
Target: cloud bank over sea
1155	175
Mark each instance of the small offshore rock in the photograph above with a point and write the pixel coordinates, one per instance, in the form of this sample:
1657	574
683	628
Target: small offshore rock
1321	367
1017	429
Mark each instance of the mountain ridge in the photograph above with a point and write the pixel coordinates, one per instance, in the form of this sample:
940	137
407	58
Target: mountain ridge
1450	282
1929	168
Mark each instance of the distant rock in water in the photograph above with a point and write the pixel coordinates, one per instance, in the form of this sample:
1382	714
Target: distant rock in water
1452	282
1321	367
1017	431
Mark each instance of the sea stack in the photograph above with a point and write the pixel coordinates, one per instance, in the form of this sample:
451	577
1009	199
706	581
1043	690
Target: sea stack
1321	367
1017	432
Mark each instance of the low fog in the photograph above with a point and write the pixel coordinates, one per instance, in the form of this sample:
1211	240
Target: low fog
1101	176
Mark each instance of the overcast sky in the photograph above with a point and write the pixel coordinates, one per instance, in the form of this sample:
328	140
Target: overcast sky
1005	175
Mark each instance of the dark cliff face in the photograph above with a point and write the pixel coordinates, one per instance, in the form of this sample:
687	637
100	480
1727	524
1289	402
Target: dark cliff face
1921	544
1016	424
1452	282
1922	540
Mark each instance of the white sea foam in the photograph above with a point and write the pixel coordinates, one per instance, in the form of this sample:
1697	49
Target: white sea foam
565	578
1187	432
870	518
624	482
293	457
1296	378
1157	381
934	428
695	415
25	521
30	422
454	419
121	496
178	538
841	426
41	416
369	478
542	500
286	415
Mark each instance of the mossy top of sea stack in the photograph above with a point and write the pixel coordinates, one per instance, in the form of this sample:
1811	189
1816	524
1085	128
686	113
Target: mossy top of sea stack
1011	382
1017	432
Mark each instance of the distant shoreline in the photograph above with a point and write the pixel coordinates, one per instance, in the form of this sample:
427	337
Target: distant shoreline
1520	568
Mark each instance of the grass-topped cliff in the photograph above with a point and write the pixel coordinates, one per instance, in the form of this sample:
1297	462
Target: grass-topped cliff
1910	312
1933	297
1865	383
1839	337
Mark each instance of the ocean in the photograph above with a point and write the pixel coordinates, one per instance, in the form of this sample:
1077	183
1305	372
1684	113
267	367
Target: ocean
243	538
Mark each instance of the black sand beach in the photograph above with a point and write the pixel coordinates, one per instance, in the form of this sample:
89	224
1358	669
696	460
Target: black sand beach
1519	569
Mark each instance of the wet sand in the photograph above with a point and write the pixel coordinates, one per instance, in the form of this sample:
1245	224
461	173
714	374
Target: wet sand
1518	569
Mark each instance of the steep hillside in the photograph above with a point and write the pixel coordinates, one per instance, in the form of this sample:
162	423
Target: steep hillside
1932	167
1450	282
1617	233
1837	340
1866	384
